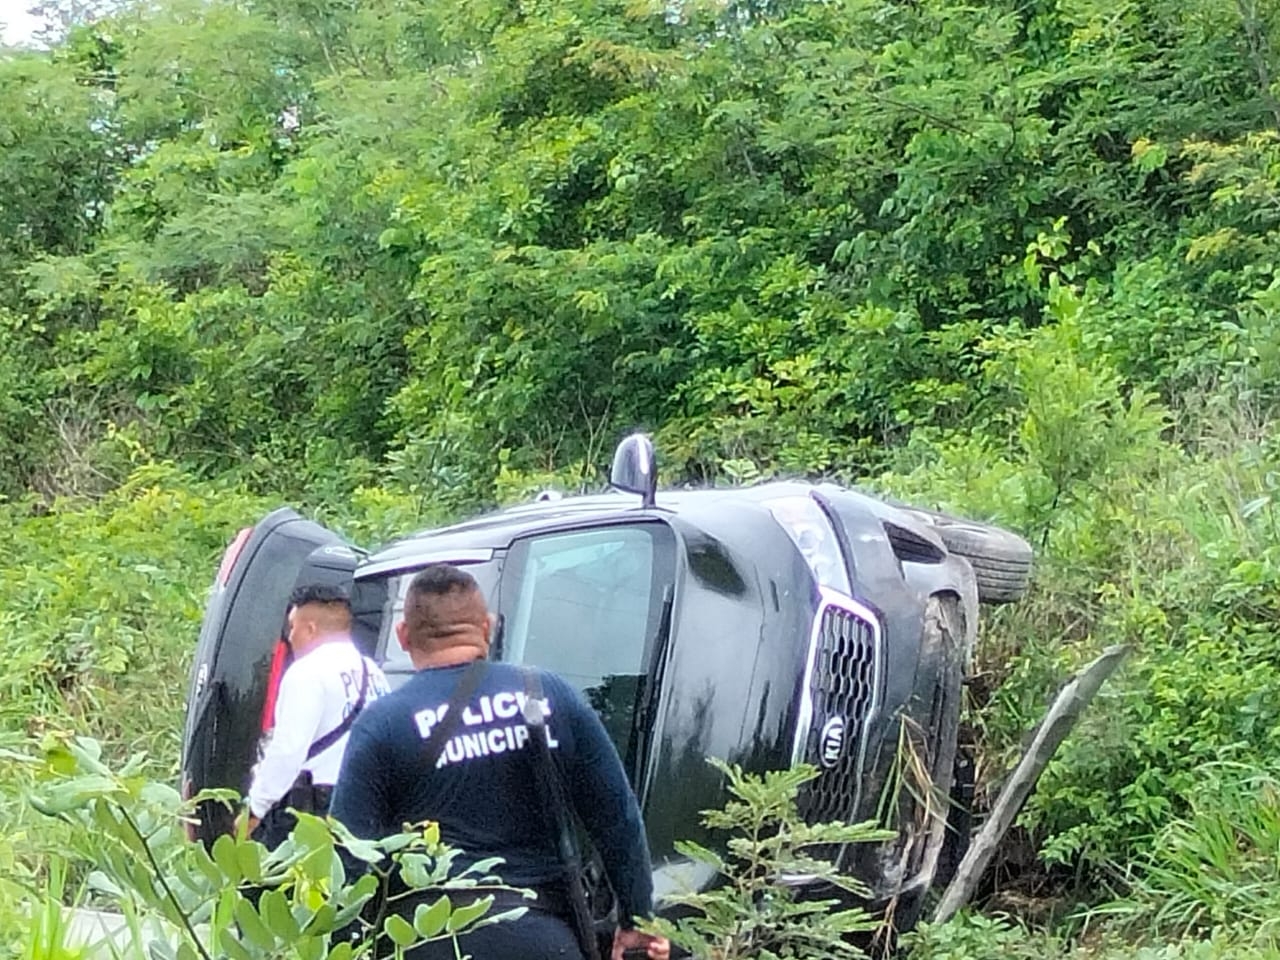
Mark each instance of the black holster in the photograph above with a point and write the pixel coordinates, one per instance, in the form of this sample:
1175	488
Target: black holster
278	822
307	796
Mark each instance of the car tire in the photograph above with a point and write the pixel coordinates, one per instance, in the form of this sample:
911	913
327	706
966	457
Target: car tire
1001	559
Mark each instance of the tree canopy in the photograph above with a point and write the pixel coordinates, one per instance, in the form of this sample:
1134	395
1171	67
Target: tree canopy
392	240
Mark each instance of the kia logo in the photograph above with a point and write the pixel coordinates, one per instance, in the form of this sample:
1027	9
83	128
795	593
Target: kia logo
831	743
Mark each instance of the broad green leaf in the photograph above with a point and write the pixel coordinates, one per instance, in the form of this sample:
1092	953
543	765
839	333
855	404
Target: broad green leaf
275	911
249	860
225	856
399	930
207	867
429	921
234	949
321	921
462	916
252	926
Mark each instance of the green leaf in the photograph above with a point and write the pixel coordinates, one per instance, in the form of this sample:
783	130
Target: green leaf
251	925
399	930
506	916
207	867
224	855
274	908
322	921
430	920
234	949
696	851
312	833
419	871
463	916
485	866
249	860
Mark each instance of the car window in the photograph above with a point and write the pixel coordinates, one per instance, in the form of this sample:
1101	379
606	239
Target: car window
395	662
587	605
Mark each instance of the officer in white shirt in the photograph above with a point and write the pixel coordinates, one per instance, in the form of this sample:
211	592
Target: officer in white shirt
328	683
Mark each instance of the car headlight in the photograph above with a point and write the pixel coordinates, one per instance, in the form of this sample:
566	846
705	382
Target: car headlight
810	530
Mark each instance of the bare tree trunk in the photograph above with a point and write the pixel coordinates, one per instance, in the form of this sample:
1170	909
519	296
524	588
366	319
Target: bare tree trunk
1053	729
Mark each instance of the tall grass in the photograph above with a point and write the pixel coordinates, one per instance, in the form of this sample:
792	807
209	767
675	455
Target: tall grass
1218	866
39	926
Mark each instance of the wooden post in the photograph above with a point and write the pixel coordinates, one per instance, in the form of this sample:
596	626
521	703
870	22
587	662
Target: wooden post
1053	729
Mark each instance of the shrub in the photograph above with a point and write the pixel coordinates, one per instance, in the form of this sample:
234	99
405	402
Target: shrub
239	900
754	911
1216	867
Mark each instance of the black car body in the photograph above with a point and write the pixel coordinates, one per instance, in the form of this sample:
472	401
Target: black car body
770	625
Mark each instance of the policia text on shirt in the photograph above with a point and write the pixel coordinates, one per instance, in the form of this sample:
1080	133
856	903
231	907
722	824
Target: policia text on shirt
490	739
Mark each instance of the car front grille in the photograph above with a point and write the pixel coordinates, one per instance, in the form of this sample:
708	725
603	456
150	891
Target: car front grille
842	684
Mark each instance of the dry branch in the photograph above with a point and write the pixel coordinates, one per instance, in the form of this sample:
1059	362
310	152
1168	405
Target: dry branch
1053	729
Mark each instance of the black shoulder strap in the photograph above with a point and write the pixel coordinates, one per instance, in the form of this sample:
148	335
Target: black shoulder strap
334	735
443	730
555	801
550	784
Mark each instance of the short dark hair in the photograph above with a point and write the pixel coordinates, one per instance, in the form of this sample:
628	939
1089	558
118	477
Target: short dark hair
329	594
441	602
442	578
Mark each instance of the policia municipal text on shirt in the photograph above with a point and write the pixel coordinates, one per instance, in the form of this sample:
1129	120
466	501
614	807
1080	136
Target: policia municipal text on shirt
484	785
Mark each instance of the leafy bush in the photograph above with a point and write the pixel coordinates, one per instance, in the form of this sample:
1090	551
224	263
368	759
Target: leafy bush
101	602
1217	866
756	911
973	936
239	900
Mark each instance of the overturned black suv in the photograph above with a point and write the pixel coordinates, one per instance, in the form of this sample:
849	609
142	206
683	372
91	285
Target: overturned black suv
781	623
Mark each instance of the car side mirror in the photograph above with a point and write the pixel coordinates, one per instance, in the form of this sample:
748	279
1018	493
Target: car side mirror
635	468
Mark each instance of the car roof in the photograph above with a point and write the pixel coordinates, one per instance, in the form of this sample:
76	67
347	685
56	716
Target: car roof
495	531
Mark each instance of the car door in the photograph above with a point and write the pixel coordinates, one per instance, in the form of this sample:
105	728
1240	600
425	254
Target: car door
593	605
240	654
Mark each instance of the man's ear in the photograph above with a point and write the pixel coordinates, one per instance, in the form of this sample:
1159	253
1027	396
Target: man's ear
402	635
490	625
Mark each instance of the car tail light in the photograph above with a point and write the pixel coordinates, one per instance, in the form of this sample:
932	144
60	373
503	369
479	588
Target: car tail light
232	555
279	660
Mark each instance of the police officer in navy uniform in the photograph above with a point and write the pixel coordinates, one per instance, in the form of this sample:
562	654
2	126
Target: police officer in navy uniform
328	680
483	789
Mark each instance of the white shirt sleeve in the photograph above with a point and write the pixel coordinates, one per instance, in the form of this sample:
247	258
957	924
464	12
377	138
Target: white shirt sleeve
300	707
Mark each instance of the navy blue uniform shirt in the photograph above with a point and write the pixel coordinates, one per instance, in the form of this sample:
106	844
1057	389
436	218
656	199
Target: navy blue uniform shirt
484	790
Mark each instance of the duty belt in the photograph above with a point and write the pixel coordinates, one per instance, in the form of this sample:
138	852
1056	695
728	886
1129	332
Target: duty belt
547	899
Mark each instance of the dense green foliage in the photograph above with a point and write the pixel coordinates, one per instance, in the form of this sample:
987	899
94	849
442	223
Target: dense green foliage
237	899
397	260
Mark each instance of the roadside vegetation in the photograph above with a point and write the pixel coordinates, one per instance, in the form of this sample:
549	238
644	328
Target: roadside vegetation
395	261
